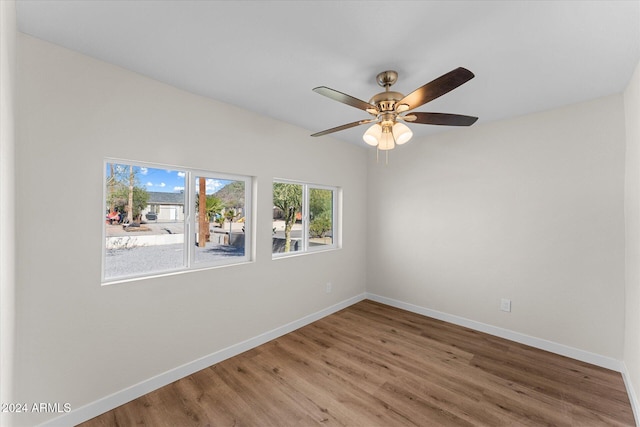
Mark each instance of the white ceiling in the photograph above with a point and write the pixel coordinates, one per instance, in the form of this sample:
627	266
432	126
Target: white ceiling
266	56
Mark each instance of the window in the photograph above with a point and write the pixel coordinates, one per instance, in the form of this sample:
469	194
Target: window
150	210
304	217
220	223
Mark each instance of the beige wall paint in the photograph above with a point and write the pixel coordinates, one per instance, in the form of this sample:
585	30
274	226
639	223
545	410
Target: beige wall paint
632	222
530	209
7	200
80	341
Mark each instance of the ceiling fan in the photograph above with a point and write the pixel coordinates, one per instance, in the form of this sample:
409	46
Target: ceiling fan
387	108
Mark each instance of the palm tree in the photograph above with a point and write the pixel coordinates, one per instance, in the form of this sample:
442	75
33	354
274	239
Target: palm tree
214	206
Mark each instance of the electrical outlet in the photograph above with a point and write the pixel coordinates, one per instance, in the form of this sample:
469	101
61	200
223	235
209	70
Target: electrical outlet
328	287
505	304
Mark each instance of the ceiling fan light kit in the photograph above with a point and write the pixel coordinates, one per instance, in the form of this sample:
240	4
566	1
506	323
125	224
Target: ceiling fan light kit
385	137
387	108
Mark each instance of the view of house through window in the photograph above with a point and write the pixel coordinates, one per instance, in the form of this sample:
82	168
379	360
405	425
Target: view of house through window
144	226
149	210
303	217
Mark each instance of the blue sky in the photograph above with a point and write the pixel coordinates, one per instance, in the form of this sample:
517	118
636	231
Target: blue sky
164	180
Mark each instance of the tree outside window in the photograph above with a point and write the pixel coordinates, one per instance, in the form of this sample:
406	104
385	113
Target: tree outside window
147	209
303	217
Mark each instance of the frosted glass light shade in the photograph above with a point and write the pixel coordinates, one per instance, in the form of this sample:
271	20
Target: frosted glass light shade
386	138
402	133
386	141
373	135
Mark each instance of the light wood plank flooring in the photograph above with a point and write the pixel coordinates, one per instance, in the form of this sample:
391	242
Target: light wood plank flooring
375	365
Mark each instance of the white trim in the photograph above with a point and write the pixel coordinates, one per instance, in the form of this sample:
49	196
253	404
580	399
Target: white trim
100	406
188	262
114	400
304	211
561	349
190	215
334	216
633	397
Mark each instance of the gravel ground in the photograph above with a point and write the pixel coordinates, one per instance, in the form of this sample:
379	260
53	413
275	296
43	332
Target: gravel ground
152	259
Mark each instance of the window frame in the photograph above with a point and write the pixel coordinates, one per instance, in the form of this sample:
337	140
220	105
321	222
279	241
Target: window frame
335	221
248	210
189	262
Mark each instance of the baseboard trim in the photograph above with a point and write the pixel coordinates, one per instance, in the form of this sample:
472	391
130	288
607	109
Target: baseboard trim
114	400
633	397
561	349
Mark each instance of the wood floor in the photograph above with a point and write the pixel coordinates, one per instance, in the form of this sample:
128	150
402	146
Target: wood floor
375	365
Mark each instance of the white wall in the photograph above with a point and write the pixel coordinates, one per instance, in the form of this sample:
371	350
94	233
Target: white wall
79	341
7	200
632	222
530	209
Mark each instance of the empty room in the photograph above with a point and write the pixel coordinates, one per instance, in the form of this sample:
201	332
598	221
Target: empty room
300	213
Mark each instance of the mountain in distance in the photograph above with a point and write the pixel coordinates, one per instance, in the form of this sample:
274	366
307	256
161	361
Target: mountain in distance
232	194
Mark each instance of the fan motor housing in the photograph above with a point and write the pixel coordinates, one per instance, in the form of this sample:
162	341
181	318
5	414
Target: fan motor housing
386	101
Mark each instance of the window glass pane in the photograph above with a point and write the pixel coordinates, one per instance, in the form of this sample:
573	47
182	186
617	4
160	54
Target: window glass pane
320	217
287	218
219	219
144	220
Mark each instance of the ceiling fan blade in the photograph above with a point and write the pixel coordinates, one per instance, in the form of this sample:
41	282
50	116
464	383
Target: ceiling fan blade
344	98
343	127
443	119
436	88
